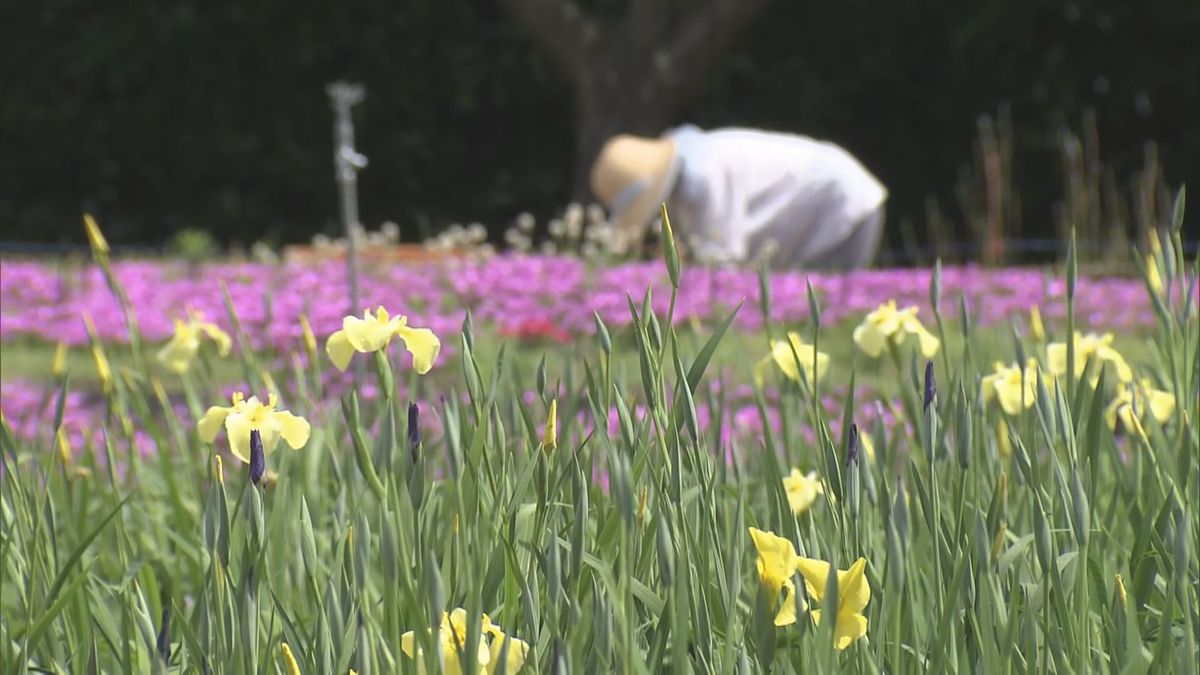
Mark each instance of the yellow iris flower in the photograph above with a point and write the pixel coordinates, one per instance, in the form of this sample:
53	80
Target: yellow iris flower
247	414
776	565
1134	402
783	356
887	323
453	635
372	333
802	490
1016	388
854	592
1097	348
177	355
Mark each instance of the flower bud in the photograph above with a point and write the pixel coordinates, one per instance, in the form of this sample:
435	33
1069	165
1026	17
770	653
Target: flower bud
258	458
930	384
59	366
414	431
550	435
163	643
289	660
310	339
95	238
1036	327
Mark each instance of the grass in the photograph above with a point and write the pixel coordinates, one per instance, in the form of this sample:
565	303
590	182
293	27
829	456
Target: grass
28	359
1060	546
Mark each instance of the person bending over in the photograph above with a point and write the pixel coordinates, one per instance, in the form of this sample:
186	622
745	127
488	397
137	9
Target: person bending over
744	195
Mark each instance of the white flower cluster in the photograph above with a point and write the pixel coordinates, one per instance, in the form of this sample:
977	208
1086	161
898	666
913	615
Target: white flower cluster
472	238
582	230
261	252
519	237
388	234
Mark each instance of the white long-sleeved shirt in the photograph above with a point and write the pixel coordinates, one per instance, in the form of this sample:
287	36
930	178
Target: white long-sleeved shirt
740	190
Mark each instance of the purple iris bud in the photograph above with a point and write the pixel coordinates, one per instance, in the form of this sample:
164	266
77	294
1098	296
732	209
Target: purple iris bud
852	450
414	431
163	644
930	384
258	458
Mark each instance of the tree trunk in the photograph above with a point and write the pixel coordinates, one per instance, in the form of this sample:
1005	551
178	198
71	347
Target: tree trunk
632	76
607	104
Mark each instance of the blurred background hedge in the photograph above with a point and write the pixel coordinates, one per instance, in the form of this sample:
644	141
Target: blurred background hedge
181	114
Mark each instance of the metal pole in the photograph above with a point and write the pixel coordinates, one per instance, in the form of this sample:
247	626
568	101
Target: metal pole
347	163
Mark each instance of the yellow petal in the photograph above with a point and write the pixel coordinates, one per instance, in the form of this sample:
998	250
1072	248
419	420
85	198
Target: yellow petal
802	490
367	335
293	428
760	370
1124	372
887	319
517	651
339	350
218	336
422	344
786	352
868	446
816	575
869	339
850	627
781	353
822	366
237	430
408	645
178	353
786	615
1125	414
776	558
1056	358
1110	413
1011	396
210	424
854	592
927	341
1003	442
1161	404
987	387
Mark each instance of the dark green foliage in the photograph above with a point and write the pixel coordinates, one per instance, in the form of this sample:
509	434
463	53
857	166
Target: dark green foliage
163	116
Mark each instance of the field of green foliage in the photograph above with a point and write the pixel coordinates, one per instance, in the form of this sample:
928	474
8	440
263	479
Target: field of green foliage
1036	514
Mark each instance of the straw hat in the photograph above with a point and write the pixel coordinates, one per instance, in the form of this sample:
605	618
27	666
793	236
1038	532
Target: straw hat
632	177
